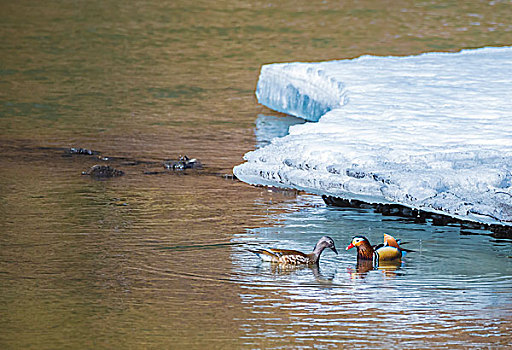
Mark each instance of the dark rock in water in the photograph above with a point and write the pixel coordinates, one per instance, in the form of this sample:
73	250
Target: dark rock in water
183	163
441	220
229	177
420	216
80	150
103	171
501	231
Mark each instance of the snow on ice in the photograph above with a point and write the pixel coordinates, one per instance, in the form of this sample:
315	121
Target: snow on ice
432	132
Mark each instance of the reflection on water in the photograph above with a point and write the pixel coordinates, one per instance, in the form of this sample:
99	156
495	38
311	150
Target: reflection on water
388	267
163	259
269	127
449	288
156	259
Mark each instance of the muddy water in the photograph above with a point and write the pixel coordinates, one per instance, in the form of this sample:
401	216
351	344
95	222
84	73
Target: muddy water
160	261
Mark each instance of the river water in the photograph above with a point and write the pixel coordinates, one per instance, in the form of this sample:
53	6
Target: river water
158	259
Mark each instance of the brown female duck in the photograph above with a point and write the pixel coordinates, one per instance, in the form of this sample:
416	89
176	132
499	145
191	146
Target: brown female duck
294	257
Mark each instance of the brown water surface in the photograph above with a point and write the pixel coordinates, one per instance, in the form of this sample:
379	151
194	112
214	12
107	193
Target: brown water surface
160	260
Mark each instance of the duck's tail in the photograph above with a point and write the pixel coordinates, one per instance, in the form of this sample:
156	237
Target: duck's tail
264	254
406	250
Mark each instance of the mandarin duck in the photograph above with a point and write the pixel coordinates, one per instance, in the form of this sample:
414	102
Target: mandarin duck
387	251
294	257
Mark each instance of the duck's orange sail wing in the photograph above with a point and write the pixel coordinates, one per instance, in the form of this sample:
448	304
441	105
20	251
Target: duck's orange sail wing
390	241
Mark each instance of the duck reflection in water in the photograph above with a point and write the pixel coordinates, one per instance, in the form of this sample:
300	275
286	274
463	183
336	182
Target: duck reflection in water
289	270
386	256
364	266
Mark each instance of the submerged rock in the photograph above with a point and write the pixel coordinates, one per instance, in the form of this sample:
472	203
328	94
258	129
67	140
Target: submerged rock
421	216
103	171
81	150
182	163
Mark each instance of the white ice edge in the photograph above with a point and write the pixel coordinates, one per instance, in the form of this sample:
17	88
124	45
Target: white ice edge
431	132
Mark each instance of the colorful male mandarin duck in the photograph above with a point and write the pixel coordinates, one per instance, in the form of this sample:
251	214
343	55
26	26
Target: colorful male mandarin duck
388	251
294	257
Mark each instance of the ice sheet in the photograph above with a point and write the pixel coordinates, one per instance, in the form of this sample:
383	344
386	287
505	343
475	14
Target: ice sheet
432	131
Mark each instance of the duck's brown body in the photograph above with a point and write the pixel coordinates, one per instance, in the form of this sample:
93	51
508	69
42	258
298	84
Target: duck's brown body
294	257
389	251
286	256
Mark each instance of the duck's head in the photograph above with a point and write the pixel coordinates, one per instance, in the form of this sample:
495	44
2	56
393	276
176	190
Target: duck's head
358	241
326	242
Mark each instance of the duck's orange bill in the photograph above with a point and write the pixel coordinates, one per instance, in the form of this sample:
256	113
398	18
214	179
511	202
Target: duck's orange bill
350	246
